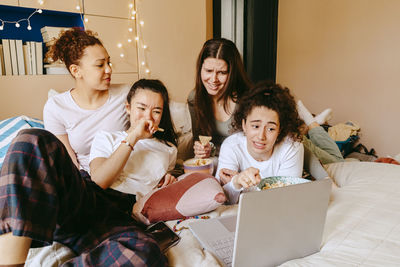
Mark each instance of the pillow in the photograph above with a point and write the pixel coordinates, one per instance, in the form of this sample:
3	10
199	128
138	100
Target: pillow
180	117
192	194
9	129
185	147
52	93
313	166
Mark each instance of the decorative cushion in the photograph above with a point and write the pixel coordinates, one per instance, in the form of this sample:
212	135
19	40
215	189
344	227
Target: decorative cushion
180	117
9	129
191	195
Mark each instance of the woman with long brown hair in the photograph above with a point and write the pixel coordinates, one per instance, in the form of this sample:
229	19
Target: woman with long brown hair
221	80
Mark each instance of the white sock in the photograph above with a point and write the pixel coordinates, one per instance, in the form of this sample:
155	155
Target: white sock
304	114
324	116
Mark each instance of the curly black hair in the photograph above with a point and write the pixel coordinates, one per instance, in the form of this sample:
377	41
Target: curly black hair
70	46
277	98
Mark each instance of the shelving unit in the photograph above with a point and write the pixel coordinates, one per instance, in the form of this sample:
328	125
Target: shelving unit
109	19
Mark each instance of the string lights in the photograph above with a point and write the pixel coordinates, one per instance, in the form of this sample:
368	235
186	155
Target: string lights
17	22
138	38
142	47
136	24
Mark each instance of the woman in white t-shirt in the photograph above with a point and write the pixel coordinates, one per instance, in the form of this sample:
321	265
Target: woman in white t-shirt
92	105
46	193
139	159
268	142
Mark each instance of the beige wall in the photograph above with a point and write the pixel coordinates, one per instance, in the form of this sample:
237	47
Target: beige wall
345	55
174	31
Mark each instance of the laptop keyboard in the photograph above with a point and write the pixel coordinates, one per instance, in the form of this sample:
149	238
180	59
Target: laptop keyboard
224	249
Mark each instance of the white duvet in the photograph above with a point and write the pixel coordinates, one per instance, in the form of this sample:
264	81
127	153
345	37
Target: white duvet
362	226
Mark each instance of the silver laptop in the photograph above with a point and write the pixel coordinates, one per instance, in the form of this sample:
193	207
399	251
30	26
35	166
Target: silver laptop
272	226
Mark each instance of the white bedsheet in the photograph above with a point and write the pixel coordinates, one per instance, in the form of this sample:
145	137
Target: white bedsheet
362	226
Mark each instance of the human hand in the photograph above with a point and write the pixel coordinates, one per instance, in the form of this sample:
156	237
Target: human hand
247	178
142	129
201	151
166	180
225	175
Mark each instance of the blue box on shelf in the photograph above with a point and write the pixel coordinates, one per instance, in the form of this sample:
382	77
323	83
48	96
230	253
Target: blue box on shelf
346	146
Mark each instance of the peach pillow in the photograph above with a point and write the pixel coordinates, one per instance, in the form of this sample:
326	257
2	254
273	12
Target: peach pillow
192	194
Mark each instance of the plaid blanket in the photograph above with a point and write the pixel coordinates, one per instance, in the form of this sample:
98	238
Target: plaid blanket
45	197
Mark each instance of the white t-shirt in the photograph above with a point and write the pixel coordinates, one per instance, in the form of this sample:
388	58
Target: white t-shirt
62	115
150	160
286	160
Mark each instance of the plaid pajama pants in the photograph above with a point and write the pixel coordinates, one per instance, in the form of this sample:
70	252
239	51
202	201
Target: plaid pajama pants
45	197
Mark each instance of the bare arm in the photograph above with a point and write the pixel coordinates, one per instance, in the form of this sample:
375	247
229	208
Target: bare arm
64	139
104	171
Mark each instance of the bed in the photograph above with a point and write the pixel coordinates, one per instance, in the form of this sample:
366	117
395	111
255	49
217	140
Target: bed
362	226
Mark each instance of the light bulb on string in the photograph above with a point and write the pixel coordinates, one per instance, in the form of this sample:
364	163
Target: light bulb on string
130	29
137	38
147	71
133	17
78	8
130	5
119	45
129	40
141	23
121	55
86	20
17	23
41	2
143	63
144	46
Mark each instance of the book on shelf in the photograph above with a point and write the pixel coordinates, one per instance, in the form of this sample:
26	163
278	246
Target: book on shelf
20	57
50	34
17	58
56	68
27	59
7	57
39	58
1	60
13	53
32	47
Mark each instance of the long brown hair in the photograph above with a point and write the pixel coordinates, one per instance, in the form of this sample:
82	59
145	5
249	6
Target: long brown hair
235	86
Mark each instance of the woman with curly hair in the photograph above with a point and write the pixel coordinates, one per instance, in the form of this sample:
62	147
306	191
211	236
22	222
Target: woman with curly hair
46	193
93	104
268	142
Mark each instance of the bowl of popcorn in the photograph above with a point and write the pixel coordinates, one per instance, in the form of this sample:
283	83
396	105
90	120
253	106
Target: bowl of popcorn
198	165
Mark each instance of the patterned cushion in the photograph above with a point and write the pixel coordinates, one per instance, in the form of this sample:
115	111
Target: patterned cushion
9	129
193	194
